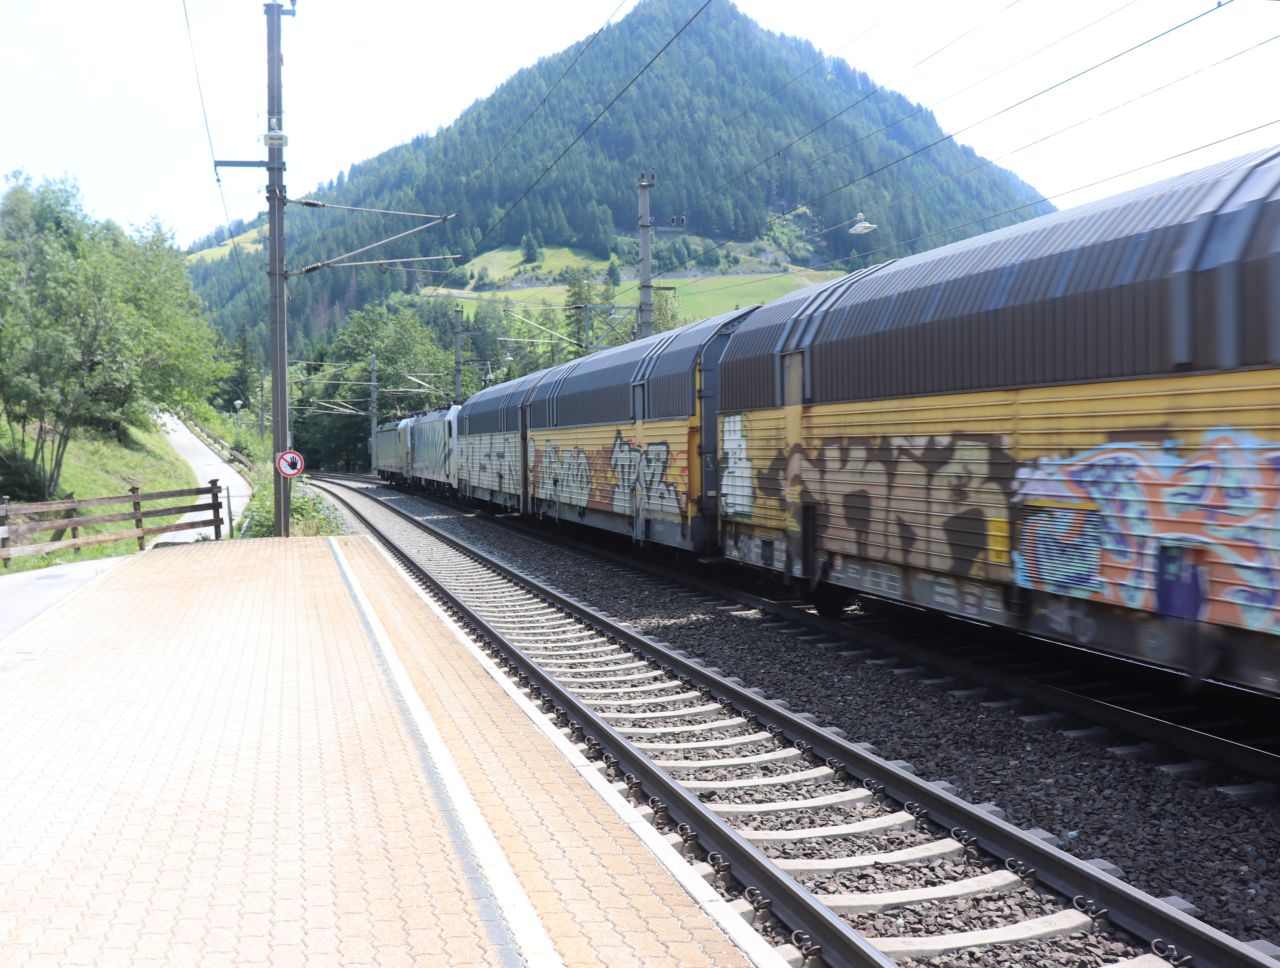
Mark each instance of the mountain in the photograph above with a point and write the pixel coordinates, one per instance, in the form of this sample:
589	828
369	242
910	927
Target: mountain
712	117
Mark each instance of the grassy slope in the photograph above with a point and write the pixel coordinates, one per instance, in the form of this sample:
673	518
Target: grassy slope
105	468
504	262
695	298
249	241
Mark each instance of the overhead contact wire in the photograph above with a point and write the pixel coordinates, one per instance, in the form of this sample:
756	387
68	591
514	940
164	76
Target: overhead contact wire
581	134
511	137
791	80
846	109
982	80
1222	4
1017	208
226	215
900	199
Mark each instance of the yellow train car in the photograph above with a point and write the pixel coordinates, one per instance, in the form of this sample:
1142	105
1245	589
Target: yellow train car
1069	426
491	451
624	439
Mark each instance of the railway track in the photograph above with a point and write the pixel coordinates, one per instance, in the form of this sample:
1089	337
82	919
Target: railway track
843	856
1228	738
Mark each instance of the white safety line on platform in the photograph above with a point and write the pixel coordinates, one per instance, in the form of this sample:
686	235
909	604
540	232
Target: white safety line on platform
522	925
756	948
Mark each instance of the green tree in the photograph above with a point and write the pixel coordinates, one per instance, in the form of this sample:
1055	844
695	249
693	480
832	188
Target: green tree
666	312
578	298
97	329
725	161
415	373
529	249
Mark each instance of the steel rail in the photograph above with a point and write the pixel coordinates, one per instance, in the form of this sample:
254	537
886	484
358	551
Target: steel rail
1186	739
813	923
1175	934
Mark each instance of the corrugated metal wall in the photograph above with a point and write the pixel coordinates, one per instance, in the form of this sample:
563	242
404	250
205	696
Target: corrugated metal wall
497	408
1070	490
604	467
490	462
671	380
598	388
750	364
432	447
1108	290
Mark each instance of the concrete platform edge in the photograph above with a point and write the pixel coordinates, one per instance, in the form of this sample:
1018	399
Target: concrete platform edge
527	930
755	947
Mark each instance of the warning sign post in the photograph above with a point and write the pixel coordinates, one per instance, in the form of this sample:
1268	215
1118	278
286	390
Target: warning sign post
290	463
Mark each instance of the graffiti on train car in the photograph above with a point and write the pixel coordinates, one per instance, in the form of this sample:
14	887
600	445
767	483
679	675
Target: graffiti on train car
737	497
1092	524
563	477
490	461
641	478
611	478
939	502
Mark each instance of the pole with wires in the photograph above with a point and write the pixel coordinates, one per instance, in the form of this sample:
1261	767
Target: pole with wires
275	141
457	354
645	317
373	415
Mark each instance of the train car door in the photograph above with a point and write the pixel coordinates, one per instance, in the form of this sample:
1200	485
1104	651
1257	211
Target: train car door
809	542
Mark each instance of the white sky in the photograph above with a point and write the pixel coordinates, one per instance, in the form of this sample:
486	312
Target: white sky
105	93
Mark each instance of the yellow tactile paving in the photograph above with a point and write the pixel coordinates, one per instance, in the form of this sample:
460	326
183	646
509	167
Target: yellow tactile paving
201	763
603	897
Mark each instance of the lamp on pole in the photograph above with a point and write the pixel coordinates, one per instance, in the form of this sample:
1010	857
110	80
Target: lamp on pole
238	405
861	226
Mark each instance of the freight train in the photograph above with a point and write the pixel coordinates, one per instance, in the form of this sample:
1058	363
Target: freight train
1069	427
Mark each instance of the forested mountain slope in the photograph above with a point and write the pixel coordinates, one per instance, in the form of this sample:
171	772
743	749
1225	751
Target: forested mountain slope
722	99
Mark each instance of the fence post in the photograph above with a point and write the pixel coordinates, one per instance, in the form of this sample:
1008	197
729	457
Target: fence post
4	524
216	494
137	517
75	528
68	513
231	520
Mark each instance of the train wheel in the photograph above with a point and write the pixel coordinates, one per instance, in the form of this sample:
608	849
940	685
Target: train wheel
830	600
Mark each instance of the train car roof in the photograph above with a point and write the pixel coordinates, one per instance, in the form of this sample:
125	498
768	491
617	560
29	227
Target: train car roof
1119	287
486	410
598	388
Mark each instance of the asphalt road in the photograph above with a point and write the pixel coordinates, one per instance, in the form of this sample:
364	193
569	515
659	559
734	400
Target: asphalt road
207	466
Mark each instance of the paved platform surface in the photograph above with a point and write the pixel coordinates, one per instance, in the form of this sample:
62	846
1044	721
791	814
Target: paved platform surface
206	758
25	594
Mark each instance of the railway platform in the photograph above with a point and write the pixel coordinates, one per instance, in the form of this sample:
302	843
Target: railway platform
279	752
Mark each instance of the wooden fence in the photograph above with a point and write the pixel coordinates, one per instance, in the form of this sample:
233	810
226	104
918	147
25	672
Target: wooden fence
220	446
21	520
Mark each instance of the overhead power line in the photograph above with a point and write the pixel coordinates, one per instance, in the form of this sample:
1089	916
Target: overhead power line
591	124
985	163
982	80
1222	4
335	261
1093	184
791	80
1008	211
226	215
847	108
511	137
316	203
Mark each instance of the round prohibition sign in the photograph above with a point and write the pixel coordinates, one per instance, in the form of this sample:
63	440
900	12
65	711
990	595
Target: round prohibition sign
290	463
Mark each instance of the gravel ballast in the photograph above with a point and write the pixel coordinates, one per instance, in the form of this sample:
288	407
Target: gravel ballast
1169	836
